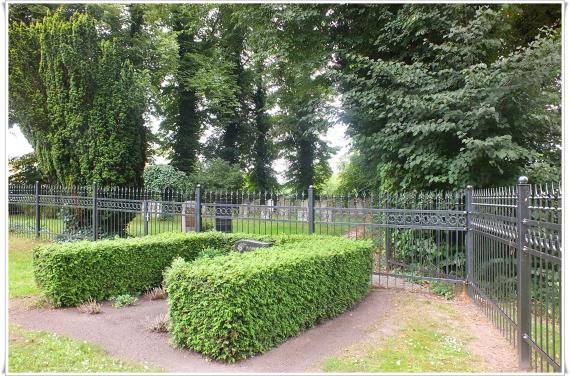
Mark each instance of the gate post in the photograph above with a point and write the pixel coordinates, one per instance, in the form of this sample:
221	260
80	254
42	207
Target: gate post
145	217
37	194
198	210
311	208
469	240
95	219
523	274
388	236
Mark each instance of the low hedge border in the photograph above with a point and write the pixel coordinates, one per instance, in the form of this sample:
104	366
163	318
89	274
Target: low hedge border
239	305
71	273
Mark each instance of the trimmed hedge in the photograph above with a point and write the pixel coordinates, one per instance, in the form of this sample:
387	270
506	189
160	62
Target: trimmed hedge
72	273
239	305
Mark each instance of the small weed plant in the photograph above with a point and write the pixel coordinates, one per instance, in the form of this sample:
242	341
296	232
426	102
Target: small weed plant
123	300
159	324
211	252
157	293
442	289
90	306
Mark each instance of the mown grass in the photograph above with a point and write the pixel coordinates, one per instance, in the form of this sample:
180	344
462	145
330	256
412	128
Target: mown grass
51	225
249	226
37	351
425	342
20	272
135	228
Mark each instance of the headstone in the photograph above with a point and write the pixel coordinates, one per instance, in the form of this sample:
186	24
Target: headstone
266	212
188	216
154	209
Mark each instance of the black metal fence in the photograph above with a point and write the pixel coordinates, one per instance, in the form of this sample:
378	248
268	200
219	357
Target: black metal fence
504	244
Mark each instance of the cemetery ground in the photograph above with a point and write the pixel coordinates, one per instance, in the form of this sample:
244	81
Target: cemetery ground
391	330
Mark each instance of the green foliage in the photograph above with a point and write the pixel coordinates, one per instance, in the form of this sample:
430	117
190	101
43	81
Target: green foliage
452	108
423	252
212	252
443	289
357	174
163	177
24	170
72	273
218	174
78	100
233	307
123	300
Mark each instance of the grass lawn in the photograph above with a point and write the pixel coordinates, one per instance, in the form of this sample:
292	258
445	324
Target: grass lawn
250	226
54	226
420	344
20	273
36	351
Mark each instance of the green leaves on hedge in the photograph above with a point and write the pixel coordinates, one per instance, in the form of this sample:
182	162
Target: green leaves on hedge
72	273
236	306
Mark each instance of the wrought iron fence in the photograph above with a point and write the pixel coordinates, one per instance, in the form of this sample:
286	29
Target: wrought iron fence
504	244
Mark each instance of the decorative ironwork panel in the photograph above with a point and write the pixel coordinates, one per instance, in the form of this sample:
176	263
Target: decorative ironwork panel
71	201
21	199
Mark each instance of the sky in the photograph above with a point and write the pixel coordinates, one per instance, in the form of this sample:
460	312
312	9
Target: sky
17	145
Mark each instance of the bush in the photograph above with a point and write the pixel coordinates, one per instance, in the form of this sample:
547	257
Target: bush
232	307
72	273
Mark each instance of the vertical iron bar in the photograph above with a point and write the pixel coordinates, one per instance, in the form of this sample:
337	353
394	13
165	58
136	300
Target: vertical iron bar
523	274
198	210
37	193
311	208
95	230
469	245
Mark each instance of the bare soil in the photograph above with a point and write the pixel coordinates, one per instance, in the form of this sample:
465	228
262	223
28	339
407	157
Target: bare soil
125	333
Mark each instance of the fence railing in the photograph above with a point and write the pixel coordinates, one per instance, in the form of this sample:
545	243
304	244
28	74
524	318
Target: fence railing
504	244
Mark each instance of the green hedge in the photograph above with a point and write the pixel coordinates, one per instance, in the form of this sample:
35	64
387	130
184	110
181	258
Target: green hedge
239	305
71	273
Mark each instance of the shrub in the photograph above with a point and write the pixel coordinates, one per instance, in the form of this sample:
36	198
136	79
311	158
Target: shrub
123	300
232	307
72	273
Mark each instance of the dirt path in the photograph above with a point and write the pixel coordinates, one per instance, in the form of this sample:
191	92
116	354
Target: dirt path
123	333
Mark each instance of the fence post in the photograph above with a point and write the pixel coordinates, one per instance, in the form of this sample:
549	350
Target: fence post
388	236
523	274
469	240
145	216
37	193
198	209
311	210
95	219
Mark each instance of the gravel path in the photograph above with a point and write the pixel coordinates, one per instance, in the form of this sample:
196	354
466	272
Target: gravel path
123	333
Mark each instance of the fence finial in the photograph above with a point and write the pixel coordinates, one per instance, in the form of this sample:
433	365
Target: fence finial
523	180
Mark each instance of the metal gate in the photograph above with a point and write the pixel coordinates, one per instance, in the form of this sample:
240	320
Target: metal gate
514	273
504	244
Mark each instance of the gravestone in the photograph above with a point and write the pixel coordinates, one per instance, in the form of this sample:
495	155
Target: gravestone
188	216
